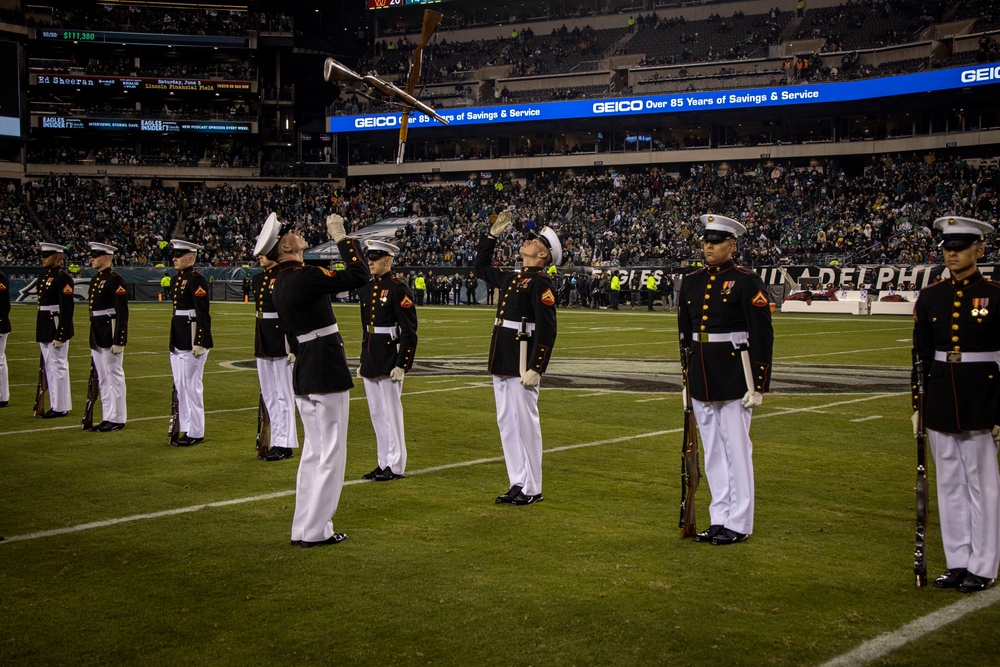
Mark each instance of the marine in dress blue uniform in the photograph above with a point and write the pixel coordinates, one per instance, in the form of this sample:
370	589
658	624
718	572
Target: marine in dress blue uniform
54	327
389	341
274	350
190	340
724	316
108	305
321	378
956	336
526	312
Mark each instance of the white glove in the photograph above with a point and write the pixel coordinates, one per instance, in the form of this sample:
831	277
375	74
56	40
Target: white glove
915	418
752	399
290	358
996	434
396	374
684	397
500	223
58	344
198	350
335	225
117	349
530	378
358	372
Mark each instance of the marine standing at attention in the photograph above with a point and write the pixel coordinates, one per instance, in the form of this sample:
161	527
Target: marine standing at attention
725	318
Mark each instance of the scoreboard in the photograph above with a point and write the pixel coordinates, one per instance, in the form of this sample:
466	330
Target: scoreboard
396	4
120	83
10	91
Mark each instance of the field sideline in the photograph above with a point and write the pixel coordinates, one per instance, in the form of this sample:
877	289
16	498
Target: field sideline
123	550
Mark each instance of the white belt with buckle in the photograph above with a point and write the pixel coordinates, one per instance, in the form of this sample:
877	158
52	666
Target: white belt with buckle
267	316
516	326
50	309
184	313
388	331
966	357
318	333
108	311
737	338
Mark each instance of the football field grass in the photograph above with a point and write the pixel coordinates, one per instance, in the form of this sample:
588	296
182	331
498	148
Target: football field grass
123	550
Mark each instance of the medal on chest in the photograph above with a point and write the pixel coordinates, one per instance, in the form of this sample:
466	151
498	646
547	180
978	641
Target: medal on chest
727	287
979	307
383	297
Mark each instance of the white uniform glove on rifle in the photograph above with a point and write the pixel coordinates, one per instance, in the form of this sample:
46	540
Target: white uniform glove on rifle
916	417
531	378
752	399
499	224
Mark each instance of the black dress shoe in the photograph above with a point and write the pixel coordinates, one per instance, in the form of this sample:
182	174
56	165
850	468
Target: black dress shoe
3	404
387	475
186	441
99	427
107	427
277	454
373	474
52	414
524	499
973	583
336	538
296	543
707	535
728	536
951	578
511	493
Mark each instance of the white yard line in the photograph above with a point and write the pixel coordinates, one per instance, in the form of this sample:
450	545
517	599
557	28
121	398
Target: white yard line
829	354
865	419
884	644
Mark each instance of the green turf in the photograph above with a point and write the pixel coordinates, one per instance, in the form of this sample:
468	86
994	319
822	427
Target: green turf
434	572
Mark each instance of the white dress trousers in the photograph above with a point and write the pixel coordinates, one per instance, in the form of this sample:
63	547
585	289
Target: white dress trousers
385	404
4	381
725	435
111	380
57	375
188	370
275	376
520	432
968	488
321	467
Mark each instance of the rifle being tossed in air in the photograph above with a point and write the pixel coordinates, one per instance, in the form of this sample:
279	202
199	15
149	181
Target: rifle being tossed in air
690	474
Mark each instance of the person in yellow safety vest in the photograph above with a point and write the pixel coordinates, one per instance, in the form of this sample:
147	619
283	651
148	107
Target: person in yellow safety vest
552	270
513	33
419	288
650	291
616	288
165	284
498	186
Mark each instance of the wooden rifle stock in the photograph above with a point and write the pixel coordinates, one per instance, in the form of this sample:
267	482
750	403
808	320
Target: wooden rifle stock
174	428
430	24
263	428
93	391
919	555
43	387
690	473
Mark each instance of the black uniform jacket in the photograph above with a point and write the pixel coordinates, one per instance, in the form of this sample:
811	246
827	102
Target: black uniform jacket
270	340
387	302
528	294
191	291
302	298
725	299
108	292
957	317
4	304
55	288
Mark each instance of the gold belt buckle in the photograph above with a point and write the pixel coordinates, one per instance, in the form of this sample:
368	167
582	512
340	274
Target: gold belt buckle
954	357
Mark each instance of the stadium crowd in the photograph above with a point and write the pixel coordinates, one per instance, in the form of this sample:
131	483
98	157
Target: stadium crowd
644	217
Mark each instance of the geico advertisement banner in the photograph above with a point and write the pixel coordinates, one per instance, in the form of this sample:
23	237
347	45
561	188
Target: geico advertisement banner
824	93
